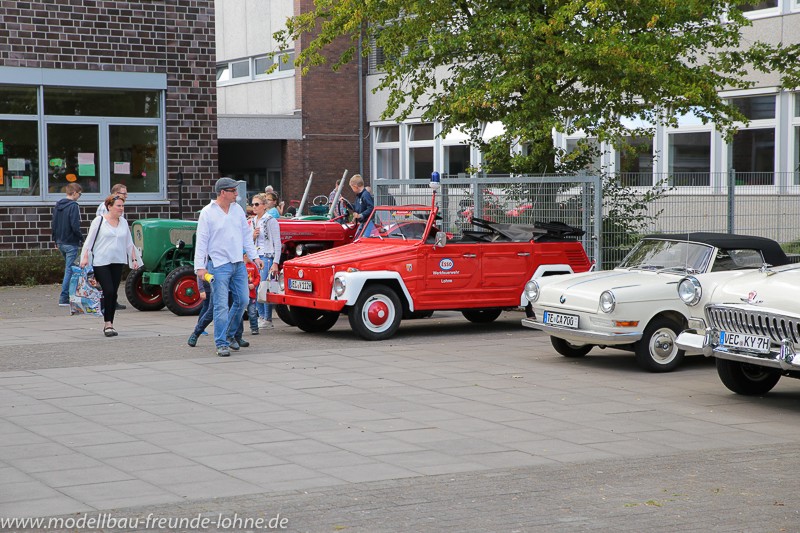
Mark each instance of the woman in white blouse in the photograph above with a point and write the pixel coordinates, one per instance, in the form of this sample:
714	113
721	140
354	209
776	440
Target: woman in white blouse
267	238
110	244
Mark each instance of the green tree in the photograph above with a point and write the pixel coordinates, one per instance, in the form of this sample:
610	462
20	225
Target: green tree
544	65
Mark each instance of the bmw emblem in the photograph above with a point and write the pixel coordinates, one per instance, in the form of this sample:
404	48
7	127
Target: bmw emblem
562	299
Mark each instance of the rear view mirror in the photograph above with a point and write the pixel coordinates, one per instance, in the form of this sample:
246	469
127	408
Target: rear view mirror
441	239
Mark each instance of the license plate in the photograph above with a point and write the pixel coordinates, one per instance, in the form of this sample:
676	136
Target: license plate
753	343
557	319
302	285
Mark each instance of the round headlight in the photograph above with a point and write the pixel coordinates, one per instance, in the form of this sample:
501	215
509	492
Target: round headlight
339	285
299	250
280	280
607	301
689	290
532	290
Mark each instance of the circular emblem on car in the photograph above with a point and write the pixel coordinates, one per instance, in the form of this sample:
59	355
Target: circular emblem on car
300	274
562	299
446	264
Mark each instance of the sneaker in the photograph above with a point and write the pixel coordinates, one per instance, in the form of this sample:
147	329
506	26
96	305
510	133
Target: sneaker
192	340
63	304
262	322
223	351
120	306
233	344
269	324
253	332
243	343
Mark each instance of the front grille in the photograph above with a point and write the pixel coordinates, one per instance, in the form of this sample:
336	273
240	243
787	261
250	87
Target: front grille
735	319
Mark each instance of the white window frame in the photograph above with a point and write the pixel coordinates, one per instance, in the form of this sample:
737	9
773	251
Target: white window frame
281	71
759	124
766	12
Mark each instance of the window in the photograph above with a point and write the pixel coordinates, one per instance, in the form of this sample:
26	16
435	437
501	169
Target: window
286	62
240	69
689	158
256	68
387	152
134	157
19	141
634	163
421	132
420	152
595	163
796	164
752	152
758	6
261	65
100	103
387	134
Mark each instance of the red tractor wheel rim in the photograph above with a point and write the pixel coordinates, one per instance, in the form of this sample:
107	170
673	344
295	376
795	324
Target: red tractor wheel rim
186	293
151	294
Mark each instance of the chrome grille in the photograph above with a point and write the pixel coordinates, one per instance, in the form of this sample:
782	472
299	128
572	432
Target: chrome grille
737	319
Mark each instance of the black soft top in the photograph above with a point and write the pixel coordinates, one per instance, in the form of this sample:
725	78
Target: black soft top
771	250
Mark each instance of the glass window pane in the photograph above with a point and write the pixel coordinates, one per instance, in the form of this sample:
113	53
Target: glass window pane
766	4
752	155
19	158
101	102
388	164
635	162
421	132
756	107
262	65
288	64
17	100
456	159
134	157
240	69
797	101
223	72
690	158
596	163
72	156
797	155
420	164
387	134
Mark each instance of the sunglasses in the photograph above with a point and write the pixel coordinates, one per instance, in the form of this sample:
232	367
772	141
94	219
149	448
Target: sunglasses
230	190
256	204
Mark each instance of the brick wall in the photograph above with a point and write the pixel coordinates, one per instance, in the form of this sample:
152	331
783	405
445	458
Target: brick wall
175	37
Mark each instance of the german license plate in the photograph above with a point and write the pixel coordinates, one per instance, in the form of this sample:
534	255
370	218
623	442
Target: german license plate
753	343
302	285
561	320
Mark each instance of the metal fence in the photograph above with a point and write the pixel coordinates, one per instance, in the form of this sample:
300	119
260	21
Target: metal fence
743	203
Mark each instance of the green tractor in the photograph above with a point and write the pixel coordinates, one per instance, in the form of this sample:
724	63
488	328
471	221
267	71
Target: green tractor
166	276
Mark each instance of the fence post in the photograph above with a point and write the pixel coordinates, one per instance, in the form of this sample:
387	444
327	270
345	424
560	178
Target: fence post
731	199
598	221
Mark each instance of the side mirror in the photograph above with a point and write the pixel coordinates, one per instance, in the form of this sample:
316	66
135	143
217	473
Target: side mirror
441	239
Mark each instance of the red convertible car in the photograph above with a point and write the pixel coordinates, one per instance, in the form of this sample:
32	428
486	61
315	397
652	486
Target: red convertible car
405	267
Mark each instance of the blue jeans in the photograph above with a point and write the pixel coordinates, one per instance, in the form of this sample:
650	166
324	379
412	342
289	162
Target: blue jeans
228	278
69	252
206	314
252	315
265	309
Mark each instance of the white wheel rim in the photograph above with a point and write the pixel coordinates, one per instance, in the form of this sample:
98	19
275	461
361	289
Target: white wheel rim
662	346
378	313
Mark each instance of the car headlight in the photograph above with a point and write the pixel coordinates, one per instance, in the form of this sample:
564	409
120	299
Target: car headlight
299	250
280	280
690	290
607	301
339	286
532	290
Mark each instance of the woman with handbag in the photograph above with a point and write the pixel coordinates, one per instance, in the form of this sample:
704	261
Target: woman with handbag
267	238
108	248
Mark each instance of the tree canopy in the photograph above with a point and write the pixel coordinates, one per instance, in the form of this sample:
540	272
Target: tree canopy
543	65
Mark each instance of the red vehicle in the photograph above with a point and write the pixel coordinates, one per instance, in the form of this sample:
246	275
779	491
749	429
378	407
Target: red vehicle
306	235
406	266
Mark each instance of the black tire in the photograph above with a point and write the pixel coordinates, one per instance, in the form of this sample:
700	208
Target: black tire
416	315
656	351
570	350
376	314
284	313
313	320
482	316
143	297
181	294
749	380
529	311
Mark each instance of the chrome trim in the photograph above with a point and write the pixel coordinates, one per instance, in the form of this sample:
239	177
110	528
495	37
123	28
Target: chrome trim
582	335
785	358
754	321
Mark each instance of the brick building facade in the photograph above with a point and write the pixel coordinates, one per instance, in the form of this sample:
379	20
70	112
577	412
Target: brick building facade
84	48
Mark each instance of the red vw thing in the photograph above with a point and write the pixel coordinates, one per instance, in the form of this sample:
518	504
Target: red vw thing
405	266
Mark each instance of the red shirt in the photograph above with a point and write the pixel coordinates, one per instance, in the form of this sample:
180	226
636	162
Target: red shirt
254	277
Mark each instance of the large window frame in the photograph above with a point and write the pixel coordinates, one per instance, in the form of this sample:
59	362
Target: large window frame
253	64
752	128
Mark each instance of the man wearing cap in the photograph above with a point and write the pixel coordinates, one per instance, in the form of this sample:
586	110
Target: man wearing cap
222	235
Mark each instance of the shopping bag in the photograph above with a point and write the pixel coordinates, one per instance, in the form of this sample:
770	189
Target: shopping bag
84	292
269	285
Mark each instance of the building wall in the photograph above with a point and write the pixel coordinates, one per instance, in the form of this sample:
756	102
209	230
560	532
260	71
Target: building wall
174	37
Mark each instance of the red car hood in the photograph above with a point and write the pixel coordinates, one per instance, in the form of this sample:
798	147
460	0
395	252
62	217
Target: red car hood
357	254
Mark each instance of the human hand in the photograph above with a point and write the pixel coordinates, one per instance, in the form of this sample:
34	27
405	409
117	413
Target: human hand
202	295
259	263
84	262
250	286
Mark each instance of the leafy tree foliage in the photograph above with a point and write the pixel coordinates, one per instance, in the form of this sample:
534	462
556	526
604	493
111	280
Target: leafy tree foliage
544	65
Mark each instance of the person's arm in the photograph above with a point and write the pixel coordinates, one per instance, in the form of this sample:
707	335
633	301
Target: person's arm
90	238
75	222
369	205
201	244
248	244
274	229
129	246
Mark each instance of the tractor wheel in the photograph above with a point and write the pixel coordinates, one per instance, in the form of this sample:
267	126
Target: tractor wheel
285	314
313	320
142	296
482	316
181	294
376	314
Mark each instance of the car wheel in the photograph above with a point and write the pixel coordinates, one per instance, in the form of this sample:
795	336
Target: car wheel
376	314
284	314
570	350
142	296
313	320
482	316
656	351
749	380
181	294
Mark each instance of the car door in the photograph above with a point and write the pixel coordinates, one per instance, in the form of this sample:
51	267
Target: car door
452	275
505	267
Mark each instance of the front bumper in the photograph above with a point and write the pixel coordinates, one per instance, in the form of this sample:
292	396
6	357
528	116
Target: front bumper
781	357
582	336
306	301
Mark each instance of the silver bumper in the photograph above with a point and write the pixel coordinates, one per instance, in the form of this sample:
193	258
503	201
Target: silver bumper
783	358
582	336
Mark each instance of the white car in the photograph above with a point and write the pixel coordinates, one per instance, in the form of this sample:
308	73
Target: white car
750	324
636	305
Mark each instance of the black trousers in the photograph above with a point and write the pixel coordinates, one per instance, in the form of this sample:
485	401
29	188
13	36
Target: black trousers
108	276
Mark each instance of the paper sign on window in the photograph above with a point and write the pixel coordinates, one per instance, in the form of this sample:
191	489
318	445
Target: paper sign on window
16	164
85	170
20	182
86	158
122	167
2	148
1	175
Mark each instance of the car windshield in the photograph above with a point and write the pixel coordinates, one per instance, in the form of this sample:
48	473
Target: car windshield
405	223
680	256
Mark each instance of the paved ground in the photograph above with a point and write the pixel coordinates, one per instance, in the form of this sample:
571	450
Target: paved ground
449	426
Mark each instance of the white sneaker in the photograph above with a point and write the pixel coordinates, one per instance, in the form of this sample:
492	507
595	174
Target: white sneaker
262	323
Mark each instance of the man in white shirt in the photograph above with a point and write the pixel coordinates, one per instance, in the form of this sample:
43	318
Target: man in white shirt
222	236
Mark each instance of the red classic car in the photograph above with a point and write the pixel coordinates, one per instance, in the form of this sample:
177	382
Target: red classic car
405	266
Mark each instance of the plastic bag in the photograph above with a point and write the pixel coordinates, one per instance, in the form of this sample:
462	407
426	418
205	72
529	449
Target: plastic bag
268	285
84	292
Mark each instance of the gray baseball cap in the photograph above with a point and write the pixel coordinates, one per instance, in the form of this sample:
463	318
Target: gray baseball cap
225	183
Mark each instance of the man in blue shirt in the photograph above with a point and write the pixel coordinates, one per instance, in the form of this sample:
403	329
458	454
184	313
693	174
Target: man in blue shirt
363	205
66	232
222	235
